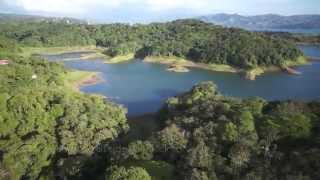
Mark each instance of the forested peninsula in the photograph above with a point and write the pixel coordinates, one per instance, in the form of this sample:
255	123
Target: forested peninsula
191	40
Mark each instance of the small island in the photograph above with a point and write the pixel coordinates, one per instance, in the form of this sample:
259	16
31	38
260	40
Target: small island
178	69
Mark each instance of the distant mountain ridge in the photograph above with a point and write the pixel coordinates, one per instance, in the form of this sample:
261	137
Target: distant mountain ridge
262	22
17	18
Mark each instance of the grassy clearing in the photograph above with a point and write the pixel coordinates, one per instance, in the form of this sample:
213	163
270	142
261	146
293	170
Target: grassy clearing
158	170
170	60
119	59
74	79
222	68
28	51
301	61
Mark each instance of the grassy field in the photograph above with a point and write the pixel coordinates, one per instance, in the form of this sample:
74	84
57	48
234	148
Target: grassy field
119	59
27	51
74	79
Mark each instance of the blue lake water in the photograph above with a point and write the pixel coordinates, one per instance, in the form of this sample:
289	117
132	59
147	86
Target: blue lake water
144	87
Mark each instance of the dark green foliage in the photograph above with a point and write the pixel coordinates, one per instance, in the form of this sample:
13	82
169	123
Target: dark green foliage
189	39
158	170
132	173
48	34
171	138
296	38
217	137
199	42
87	122
40	117
199	156
141	150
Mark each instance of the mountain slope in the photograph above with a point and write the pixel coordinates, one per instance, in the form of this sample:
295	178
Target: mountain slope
17	18
268	21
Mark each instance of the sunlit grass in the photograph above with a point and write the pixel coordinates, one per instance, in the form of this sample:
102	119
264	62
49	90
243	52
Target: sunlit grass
121	58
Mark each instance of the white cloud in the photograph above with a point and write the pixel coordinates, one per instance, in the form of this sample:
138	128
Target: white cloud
62	6
82	6
138	8
181	4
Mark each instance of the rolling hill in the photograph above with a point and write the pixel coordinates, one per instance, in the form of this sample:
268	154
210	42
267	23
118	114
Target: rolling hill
265	22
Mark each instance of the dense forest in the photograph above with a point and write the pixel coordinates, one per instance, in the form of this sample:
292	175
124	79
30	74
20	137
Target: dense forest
48	131
189	39
205	135
296	38
261	22
42	120
209	136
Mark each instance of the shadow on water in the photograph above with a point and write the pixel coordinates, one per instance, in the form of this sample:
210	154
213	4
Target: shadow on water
166	92
137	108
141	107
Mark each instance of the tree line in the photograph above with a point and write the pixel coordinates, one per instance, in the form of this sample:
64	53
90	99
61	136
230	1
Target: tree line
189	39
42	120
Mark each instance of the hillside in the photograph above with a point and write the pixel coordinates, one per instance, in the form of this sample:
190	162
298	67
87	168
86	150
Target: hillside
42	118
205	135
265	22
17	18
189	39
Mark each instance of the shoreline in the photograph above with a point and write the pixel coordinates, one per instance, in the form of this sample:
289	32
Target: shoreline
27	51
313	58
87	52
179	65
308	43
120	59
182	63
88	81
175	64
77	79
93	55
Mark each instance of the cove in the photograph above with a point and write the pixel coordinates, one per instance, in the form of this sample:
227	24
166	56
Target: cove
144	87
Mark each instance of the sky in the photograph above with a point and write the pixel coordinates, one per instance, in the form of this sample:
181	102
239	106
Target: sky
155	10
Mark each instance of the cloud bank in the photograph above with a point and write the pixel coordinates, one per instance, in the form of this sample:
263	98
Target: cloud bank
148	9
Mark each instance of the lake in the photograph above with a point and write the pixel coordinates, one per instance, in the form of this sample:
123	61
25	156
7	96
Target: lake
144	87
